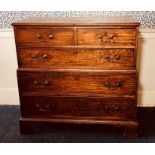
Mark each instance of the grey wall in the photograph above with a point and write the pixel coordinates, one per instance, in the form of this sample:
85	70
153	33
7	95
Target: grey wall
146	18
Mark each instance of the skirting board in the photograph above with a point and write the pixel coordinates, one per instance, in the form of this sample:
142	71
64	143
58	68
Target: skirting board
10	96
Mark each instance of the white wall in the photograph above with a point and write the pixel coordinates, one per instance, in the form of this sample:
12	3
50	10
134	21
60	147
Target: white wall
146	67
145	64
8	66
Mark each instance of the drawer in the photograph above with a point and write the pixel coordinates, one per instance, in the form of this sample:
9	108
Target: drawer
106	37
48	106
107	108
101	108
44	37
78	82
104	58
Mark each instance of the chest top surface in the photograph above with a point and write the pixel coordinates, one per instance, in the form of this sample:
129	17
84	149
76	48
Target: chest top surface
77	21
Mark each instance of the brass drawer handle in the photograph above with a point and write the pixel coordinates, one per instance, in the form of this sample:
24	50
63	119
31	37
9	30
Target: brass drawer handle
50	36
110	109
43	108
106	38
41	84
34	56
106	57
117	57
115	109
113	86
113	59
39	36
100	36
111	36
45	56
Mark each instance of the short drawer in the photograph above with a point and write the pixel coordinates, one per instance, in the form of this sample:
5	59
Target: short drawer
35	106
106	37
44	37
99	108
107	108
78	82
104	58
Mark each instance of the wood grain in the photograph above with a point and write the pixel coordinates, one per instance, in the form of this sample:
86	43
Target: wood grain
42	36
77	70
117	21
108	37
77	83
105	58
69	107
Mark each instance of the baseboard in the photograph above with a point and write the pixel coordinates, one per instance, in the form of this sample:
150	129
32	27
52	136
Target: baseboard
146	98
11	96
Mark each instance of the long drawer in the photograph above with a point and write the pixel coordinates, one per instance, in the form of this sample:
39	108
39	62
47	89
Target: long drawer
105	58
101	36
78	82
100	108
44	37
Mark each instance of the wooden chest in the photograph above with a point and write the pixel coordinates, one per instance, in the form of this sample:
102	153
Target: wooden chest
77	70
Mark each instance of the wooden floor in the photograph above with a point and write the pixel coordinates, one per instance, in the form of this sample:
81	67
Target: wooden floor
9	130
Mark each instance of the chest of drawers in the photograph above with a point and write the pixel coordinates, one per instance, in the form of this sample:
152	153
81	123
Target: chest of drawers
77	70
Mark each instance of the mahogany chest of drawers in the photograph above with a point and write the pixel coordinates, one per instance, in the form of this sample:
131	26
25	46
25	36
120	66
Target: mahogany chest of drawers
77	70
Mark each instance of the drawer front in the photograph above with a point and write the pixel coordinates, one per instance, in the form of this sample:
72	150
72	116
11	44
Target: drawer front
107	108
44	37
106	37
105	58
33	106
103	83
100	108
